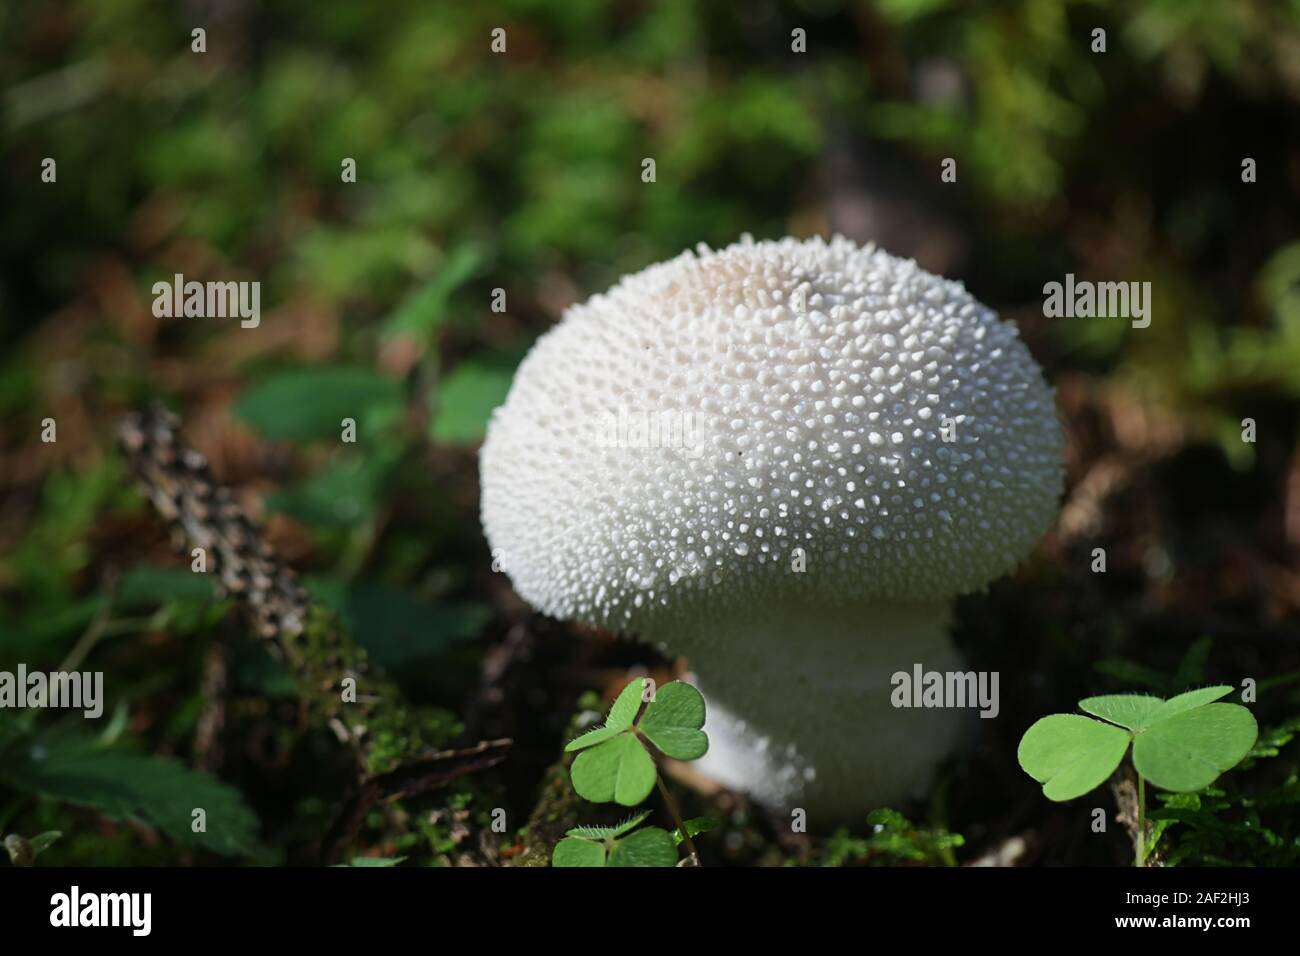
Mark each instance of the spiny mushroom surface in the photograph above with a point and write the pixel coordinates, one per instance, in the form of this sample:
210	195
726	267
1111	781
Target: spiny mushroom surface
806	426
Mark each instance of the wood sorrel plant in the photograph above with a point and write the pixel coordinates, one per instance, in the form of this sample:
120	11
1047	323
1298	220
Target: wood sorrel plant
614	764
1181	744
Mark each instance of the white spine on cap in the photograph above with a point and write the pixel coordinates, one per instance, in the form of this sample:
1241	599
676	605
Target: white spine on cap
792	419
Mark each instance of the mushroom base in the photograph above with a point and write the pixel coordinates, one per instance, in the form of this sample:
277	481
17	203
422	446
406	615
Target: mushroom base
802	705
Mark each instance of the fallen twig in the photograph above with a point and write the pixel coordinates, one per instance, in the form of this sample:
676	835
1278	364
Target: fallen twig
396	745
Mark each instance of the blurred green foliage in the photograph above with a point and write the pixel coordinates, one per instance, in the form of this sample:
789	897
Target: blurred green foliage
521	172
893	840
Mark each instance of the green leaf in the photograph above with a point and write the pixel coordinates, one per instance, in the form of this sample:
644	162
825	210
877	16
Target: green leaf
53	624
43	841
1127	710
606	833
695	826
127	786
619	719
618	769
373	861
1129	672
626	705
396	629
423	313
650	846
572	851
466	399
23	852
1181	744
1191	669
1273	738
115	726
145	584
1188	701
887	818
1071	755
341	494
256	671
1188	750
311	403
673	720
591	738
893	840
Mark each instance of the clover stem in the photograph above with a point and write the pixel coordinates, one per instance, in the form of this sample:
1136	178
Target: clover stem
1142	820
673	812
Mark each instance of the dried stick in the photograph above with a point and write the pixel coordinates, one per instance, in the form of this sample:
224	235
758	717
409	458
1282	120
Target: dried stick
395	744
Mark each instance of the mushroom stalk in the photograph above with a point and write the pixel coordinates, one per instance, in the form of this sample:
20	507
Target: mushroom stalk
801	704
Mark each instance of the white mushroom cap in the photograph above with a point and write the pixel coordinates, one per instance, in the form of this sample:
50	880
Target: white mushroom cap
802	388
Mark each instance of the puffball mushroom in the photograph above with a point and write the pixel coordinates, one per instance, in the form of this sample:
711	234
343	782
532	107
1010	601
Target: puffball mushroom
783	460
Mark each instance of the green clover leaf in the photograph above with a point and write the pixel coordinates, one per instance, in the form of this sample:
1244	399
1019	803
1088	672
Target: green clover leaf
608	833
1181	744
618	769
650	846
1188	751
620	717
673	720
1127	710
614	764
616	846
572	851
1070	755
